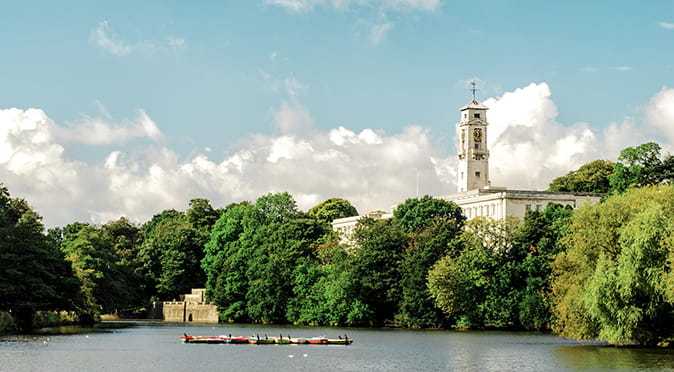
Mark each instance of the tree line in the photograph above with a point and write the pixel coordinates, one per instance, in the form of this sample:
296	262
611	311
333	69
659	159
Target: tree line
600	272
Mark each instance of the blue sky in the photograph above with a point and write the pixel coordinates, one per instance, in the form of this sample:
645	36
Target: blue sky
212	74
212	91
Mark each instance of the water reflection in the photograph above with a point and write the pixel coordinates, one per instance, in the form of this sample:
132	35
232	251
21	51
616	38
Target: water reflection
608	357
150	347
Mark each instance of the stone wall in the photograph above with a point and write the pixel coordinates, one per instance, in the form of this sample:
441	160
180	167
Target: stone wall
181	311
192	309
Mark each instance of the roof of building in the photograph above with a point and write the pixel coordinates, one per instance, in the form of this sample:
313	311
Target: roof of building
474	104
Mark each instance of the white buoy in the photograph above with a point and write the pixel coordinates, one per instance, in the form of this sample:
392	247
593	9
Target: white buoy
291	356
305	355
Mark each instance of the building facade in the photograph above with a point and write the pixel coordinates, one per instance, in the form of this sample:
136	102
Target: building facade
191	308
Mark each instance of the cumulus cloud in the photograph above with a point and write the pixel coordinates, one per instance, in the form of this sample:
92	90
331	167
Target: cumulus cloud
372	168
529	147
660	113
105	38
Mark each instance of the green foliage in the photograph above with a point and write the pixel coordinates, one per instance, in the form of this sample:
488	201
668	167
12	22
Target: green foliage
33	272
417	213
252	257
641	166
501	277
173	249
612	281
106	283
332	209
425	248
591	177
375	267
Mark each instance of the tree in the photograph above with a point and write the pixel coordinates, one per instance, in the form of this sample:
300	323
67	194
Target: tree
612	281
590	177
375	267
126	240
252	255
332	209
271	267
94	261
325	291
640	166
417	213
226	260
171	254
33	272
500	277
425	248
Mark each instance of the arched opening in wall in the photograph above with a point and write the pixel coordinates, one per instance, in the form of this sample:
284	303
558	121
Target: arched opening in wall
189	318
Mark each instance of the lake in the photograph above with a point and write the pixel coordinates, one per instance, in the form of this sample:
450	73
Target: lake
147	346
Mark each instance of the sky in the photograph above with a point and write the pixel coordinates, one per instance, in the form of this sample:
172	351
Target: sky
128	108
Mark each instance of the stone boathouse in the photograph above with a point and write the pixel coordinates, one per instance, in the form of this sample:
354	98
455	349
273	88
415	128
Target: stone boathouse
191	308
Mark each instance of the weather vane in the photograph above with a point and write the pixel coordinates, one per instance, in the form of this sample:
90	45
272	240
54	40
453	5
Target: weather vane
474	90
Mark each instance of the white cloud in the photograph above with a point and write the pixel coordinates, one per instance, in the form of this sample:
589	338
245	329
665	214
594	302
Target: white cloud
660	112
105	38
528	147
372	168
97	131
379	31
622	68
401	5
667	25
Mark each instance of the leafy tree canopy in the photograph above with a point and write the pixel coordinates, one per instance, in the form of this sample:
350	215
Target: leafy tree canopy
590	177
417	213
614	280
640	166
33	272
332	209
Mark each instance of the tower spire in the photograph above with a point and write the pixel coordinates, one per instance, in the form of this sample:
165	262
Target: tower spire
474	90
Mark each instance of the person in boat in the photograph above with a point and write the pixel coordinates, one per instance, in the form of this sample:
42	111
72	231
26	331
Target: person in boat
230	335
265	337
340	337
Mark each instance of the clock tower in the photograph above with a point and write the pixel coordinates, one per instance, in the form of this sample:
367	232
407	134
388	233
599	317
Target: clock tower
473	170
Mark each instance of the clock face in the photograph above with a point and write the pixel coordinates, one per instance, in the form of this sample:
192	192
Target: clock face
477	135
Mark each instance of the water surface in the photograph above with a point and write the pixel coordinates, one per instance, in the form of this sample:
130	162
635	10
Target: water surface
153	347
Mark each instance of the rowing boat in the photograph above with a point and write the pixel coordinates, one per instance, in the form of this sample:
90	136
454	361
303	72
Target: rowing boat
256	340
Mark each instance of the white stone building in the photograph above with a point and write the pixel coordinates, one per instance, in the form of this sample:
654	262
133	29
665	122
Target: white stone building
475	194
346	226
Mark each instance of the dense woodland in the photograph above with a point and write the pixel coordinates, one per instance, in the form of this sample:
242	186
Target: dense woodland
600	272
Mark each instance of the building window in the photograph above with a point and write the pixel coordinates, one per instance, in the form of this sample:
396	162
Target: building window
477	146
476	116
461	175
528	208
538	207
477	174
